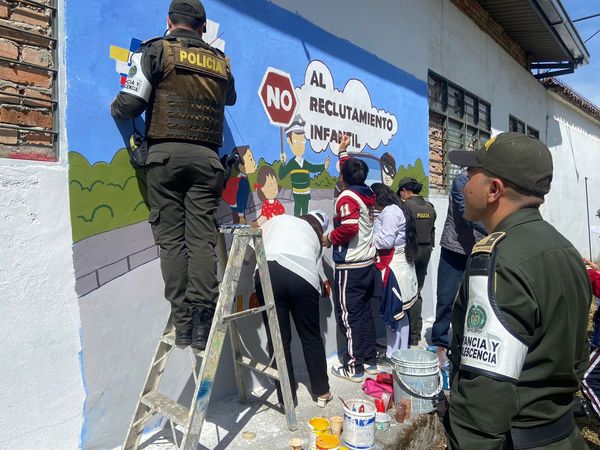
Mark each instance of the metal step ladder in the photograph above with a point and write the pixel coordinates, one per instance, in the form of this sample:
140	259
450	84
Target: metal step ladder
152	402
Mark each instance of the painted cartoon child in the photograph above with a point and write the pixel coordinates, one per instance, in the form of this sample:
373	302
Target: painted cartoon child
237	190
388	169
298	167
267	189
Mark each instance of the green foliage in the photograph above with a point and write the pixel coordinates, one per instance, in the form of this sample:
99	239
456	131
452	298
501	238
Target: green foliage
105	196
286	183
417	172
323	181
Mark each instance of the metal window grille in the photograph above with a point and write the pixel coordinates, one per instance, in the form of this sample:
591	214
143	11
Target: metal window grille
458	120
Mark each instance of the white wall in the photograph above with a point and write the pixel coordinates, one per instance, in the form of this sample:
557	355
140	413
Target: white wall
574	140
394	30
42	392
459	51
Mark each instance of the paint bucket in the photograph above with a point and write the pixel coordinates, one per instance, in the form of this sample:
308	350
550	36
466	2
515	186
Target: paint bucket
328	442
417	379
382	421
296	444
359	427
337	423
317	426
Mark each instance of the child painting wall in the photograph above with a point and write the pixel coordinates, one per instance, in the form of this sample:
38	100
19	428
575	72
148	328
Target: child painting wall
286	135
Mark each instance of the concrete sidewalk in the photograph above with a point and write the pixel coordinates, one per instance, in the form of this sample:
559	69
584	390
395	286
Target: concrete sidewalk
227	419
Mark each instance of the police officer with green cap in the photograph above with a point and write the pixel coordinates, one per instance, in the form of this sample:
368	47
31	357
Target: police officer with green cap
519	346
183	84
424	215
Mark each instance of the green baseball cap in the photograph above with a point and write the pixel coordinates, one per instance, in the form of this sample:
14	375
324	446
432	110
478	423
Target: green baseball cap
515	157
199	12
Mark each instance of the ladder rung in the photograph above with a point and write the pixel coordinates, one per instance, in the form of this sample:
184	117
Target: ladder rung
170	340
169	408
258	367
248	312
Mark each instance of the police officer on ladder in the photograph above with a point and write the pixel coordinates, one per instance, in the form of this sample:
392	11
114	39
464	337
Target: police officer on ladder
424	214
520	319
183	84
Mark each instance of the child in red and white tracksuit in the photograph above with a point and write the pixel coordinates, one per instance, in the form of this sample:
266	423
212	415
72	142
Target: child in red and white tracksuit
591	380
353	254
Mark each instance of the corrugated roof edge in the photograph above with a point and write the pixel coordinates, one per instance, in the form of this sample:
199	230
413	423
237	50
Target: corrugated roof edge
572	96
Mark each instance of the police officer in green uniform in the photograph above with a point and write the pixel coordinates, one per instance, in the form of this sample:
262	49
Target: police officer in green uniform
183	84
519	346
424	214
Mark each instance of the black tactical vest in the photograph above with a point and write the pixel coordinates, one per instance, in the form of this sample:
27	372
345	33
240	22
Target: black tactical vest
424	215
189	101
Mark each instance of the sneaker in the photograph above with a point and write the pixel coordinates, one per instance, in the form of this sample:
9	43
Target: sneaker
343	372
371	369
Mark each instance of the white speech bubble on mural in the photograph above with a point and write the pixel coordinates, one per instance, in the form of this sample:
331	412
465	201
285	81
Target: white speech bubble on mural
328	112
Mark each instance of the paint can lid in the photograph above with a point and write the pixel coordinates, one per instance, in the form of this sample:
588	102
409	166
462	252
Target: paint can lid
327	441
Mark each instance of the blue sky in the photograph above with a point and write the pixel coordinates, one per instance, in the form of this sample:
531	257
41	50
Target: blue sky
586	79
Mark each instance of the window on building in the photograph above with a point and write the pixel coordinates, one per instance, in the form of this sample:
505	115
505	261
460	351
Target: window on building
533	132
516	125
458	120
519	126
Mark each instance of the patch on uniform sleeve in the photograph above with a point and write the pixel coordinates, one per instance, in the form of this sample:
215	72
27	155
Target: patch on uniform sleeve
137	84
487	244
488	347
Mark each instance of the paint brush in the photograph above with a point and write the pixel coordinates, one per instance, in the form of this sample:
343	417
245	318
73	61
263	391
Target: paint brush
342	400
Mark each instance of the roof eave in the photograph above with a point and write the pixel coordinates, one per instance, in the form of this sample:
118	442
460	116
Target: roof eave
562	27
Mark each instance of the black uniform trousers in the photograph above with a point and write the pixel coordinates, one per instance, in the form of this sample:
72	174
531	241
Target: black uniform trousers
185	182
354	290
296	296
414	313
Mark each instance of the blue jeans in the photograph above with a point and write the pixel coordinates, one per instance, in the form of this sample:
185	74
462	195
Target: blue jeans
450	274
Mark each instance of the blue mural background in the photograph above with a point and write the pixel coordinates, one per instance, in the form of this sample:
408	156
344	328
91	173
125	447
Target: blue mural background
117	276
257	34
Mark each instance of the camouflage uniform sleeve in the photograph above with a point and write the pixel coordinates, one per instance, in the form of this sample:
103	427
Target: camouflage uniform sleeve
484	397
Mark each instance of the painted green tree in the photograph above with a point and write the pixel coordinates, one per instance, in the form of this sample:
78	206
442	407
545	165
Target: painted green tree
417	172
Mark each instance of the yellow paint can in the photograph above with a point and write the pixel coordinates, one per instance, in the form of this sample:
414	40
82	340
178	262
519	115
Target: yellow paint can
328	442
318	426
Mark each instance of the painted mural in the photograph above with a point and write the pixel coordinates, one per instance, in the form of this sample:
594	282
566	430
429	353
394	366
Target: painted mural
299	88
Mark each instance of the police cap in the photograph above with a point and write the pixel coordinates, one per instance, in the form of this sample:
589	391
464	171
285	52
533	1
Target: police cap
407	183
198	13
520	159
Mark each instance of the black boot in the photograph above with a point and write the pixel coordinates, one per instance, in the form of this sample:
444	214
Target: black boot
202	321
183	338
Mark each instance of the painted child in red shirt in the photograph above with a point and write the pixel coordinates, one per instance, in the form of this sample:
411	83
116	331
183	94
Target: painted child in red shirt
267	190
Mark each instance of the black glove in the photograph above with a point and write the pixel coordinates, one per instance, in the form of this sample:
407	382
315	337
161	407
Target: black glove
440	403
138	150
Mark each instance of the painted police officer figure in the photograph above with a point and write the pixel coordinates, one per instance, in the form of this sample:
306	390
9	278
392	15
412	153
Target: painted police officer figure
519	321
183	84
298	168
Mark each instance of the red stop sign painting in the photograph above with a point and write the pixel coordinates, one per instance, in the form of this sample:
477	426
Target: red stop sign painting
278	97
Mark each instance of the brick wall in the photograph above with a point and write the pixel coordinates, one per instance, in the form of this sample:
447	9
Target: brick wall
482	19
26	90
436	153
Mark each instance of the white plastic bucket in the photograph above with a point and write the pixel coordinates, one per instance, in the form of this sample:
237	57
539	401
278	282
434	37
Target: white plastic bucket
359	427
417	377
